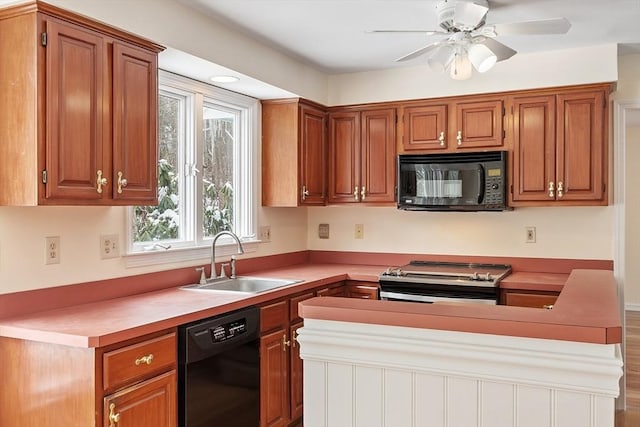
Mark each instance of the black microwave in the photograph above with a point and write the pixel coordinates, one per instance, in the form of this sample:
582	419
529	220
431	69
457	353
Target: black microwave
453	181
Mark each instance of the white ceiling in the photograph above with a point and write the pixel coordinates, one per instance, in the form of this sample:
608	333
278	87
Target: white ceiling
331	35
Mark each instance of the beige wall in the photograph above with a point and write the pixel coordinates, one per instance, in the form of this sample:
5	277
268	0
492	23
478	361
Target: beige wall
575	232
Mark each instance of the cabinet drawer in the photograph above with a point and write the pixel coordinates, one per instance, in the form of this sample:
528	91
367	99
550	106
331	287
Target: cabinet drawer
134	362
274	316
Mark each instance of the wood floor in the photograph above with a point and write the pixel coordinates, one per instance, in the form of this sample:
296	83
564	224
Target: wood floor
631	417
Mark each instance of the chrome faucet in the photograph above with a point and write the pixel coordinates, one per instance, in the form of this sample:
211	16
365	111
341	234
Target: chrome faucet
233	258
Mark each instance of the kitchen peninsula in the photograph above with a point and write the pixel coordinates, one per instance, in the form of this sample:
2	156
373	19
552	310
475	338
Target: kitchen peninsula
71	345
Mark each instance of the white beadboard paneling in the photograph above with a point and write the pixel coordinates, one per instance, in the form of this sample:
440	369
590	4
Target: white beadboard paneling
398	398
315	392
458	379
573	409
462	402
496	404
340	396
533	406
369	389
429	400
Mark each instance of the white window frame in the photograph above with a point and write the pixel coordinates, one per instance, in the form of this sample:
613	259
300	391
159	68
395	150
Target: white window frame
192	245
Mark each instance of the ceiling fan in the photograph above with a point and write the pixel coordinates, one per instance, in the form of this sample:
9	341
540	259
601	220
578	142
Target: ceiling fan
470	40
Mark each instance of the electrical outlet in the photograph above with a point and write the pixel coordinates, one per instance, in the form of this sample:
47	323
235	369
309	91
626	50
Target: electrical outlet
359	231
530	235
323	231
264	234
109	247
52	250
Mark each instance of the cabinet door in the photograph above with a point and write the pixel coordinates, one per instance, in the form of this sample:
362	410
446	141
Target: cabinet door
296	373
274	380
334	291
378	152
478	124
425	128
534	159
344	157
151	403
313	156
580	146
135	98
74	97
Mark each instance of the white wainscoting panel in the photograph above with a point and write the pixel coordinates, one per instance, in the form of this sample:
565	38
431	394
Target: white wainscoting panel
358	375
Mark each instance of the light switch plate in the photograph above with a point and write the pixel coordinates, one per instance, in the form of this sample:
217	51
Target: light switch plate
323	231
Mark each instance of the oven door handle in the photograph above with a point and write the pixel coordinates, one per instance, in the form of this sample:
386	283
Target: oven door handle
431	299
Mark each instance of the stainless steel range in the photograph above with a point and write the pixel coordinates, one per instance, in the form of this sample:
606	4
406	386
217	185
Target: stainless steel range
430	281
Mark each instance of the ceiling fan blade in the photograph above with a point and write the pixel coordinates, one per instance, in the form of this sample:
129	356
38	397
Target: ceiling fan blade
501	51
545	26
426	32
468	15
420	51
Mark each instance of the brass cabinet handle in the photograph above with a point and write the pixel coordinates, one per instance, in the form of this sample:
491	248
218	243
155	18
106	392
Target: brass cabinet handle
548	306
560	189
113	417
362	194
294	338
305	192
145	360
459	137
551	187
441	139
122	182
285	343
355	193
101	181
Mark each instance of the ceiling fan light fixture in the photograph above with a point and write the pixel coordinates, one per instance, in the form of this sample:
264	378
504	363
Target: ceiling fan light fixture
441	58
460	68
482	58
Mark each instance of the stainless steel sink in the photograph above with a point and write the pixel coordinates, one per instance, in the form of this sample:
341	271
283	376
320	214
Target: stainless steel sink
242	284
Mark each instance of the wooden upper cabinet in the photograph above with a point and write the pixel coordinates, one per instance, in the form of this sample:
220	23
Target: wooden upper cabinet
294	141
425	127
479	124
75	70
87	105
362	156
560	149
135	123
452	125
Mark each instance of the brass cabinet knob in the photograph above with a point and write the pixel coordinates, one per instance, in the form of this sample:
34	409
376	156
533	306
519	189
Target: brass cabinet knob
114	417
285	343
459	137
122	182
362	194
305	192
100	181
355	193
441	139
551	187
560	189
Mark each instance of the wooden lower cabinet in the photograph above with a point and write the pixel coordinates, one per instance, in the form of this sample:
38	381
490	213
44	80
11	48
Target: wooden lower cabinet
534	299
280	363
336	290
150	403
75	387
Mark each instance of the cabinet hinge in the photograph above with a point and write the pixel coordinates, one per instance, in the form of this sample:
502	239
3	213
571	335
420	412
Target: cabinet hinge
43	39
44	176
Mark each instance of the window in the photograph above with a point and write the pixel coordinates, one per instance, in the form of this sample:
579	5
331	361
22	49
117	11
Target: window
207	145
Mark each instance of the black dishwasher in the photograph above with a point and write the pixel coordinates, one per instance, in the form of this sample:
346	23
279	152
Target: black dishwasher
219	371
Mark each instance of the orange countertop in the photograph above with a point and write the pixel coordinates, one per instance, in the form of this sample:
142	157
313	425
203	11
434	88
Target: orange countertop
586	311
102	323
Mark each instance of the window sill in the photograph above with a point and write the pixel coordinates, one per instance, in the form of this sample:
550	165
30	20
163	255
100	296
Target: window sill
199	253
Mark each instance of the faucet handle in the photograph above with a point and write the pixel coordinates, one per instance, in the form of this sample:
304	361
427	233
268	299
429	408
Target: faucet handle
223	272
203	278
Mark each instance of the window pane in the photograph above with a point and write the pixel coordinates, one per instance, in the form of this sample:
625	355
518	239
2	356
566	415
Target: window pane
153	223
219	133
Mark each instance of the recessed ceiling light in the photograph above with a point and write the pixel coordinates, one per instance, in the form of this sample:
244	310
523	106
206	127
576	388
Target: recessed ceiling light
224	79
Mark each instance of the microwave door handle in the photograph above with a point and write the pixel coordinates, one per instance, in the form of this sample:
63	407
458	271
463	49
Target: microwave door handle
480	172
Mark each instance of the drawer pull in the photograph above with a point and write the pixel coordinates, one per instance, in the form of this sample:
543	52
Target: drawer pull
113	417
548	306
145	359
